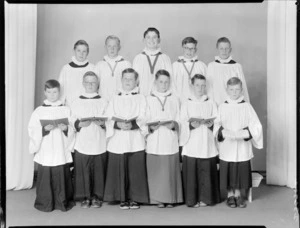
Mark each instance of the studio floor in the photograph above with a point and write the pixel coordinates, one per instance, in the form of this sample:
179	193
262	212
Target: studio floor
272	206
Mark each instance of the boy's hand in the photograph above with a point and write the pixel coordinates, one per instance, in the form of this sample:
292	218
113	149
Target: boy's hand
154	127
195	124
209	123
127	126
120	125
49	127
170	125
99	122
62	127
84	123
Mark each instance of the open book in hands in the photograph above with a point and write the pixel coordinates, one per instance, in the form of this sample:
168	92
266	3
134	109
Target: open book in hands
93	119
202	120
54	122
160	123
120	119
241	134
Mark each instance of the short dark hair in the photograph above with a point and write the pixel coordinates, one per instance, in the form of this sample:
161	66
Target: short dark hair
130	70
50	84
90	73
234	81
81	42
188	40
223	40
197	76
162	72
151	29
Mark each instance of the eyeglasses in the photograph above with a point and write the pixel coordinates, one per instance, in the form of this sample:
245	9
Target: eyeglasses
189	49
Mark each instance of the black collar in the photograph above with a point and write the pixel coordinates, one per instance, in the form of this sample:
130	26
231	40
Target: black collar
95	97
45	105
72	64
134	93
243	101
230	62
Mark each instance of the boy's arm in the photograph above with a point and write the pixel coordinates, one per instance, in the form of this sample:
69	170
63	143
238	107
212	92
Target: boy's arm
62	82
255	129
35	131
242	77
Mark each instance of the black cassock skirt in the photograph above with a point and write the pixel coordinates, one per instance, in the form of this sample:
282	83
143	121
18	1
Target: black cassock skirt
200	180
235	175
90	172
54	188
126	177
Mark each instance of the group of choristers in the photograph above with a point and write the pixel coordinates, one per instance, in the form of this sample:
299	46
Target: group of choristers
148	133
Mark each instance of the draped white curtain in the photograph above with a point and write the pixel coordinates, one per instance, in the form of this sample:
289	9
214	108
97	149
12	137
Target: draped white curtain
20	58
281	86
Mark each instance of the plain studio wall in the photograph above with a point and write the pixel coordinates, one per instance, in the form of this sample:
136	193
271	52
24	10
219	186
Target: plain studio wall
60	26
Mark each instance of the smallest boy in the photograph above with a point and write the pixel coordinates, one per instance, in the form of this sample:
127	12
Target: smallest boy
237	128
90	145
50	146
186	66
110	68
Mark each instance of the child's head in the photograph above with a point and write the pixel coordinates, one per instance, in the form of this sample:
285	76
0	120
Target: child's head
224	47
81	50
129	79
189	45
162	81
234	88
52	90
152	38
199	85
113	46
90	82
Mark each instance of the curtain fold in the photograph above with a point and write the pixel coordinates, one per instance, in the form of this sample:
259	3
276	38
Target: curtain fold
20	59
281	85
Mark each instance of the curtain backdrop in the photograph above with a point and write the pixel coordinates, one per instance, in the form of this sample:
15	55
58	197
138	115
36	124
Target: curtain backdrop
281	86
20	59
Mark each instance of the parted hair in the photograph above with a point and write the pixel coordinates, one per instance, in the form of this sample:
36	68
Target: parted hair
197	76
162	72
188	40
223	40
130	70
234	81
90	73
82	42
50	84
151	29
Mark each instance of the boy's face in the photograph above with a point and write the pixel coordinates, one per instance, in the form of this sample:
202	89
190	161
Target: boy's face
90	84
81	53
189	50
128	81
52	94
224	50
112	48
199	87
162	83
234	91
151	40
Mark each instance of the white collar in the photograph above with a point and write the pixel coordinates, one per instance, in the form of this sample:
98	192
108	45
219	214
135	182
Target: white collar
223	60
116	59
150	52
158	94
56	103
135	90
230	101
188	60
201	99
74	60
89	95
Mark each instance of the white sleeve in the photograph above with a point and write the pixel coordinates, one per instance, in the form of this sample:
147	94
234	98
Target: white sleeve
185	128
62	82
255	129
242	77
142	118
35	133
209	82
177	79
110	123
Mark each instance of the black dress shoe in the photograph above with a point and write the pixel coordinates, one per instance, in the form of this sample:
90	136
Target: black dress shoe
231	202
240	202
